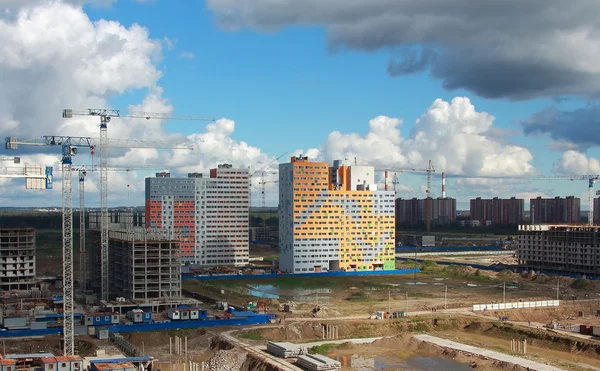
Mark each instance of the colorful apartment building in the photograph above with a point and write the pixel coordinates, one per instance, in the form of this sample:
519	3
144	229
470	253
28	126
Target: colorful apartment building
333	218
208	214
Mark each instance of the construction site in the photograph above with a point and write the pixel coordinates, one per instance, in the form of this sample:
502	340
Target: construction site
184	271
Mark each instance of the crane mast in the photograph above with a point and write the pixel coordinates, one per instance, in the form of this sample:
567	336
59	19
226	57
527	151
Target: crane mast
429	170
82	247
105	117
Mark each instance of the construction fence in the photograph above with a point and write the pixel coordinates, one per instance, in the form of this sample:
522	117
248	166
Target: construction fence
517	305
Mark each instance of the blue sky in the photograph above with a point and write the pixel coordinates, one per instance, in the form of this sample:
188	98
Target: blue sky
285	90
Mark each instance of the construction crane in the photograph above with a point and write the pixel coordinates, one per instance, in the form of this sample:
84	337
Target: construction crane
16	160
429	170
591	179
82	171
261	171
263	182
36	177
70	147
105	117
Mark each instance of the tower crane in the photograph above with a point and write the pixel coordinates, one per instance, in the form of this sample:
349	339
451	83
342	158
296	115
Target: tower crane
70	147
591	179
263	182
105	117
429	170
16	160
29	172
262	170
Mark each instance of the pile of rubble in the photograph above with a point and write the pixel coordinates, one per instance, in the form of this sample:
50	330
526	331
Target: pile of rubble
227	360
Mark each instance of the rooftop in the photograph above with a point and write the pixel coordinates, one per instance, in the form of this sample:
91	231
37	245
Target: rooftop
28	355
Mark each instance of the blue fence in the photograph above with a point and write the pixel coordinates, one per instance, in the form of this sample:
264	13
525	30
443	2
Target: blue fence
409	248
300	275
259	319
30	333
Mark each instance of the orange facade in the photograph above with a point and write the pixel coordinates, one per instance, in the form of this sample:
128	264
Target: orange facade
324	211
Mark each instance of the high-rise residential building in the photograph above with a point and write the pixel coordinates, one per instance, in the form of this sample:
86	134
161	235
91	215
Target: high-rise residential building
413	211
566	249
497	210
333	218
597	210
555	210
17	263
210	214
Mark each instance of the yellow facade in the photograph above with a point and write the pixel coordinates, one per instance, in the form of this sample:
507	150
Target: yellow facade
360	222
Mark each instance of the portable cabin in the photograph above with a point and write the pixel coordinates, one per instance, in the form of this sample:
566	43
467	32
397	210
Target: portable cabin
76	363
49	364
101	319
8	364
174	314
63	363
136	315
184	314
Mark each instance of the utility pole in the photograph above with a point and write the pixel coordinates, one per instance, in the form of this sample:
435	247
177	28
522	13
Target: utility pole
446	297
504	293
415	267
389	302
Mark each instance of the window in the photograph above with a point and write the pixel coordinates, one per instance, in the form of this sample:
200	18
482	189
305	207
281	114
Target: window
63	365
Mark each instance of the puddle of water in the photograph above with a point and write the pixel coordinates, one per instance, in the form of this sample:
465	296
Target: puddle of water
439	279
380	363
489	342
415	283
274	292
472	285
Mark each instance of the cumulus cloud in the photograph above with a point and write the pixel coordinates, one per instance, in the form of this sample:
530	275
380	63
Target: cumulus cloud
47	66
453	135
576	163
577	130
515	49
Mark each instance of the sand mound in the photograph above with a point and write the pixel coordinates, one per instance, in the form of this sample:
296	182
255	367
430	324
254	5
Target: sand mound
396	342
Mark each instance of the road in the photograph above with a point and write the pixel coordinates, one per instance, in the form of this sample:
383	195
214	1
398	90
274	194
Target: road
486	353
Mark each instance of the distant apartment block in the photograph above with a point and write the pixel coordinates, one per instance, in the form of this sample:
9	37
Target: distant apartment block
497	210
413	211
565	249
555	210
333	218
210	214
597	210
17	259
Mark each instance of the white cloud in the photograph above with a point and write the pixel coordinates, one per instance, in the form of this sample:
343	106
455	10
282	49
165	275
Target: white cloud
576	163
453	135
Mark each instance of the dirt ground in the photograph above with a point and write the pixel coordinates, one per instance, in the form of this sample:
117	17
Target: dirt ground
341	296
542	345
405	346
84	346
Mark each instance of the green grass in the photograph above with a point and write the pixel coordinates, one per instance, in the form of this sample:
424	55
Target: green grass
252	335
322	349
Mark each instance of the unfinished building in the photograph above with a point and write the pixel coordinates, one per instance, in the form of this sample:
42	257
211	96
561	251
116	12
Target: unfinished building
143	263
565	249
17	259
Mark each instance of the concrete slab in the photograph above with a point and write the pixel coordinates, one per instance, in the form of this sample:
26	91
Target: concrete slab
486	353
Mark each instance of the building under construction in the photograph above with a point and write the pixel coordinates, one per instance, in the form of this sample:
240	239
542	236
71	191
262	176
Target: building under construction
17	259
565	249
144	263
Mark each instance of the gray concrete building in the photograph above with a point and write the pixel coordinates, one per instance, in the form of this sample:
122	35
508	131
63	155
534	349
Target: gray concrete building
565	249
17	259
144	263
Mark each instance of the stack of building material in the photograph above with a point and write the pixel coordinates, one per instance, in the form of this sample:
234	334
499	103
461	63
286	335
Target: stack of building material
285	349
317	362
